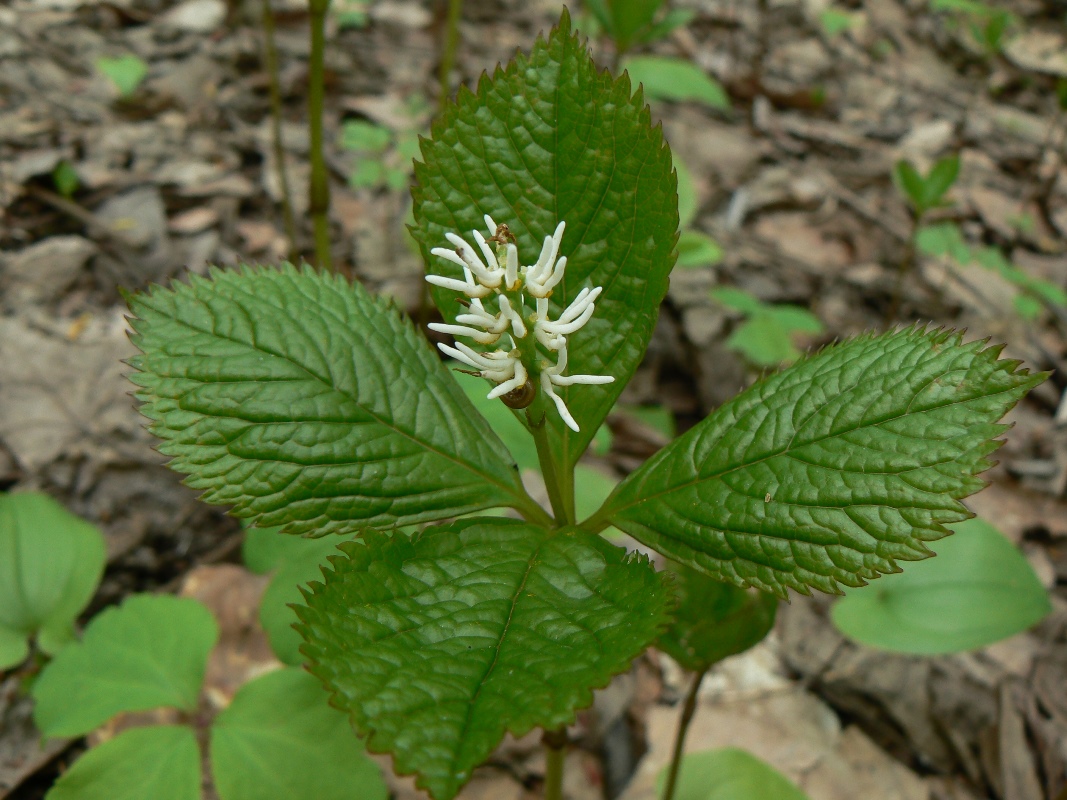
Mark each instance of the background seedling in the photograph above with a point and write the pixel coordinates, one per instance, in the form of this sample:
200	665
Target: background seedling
50	565
126	72
765	338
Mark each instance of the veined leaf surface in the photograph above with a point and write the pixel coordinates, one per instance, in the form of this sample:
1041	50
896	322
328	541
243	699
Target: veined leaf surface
437	644
550	138
299	399
829	472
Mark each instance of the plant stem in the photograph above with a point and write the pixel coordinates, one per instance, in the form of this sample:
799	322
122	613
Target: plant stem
448	52
270	58
679	738
319	188
535	415
555	751
907	264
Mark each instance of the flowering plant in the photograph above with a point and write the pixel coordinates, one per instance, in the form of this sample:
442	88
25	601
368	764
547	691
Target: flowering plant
299	400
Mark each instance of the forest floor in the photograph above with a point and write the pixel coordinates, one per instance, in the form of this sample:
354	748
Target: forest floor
794	182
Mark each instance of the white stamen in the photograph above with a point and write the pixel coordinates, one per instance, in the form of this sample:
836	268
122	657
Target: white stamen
482	337
513	316
510	385
561	407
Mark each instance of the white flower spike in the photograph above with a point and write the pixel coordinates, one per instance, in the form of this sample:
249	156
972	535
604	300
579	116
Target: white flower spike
500	275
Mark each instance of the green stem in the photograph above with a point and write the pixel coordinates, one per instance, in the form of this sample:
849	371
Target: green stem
448	53
555	750
319	188
679	739
270	58
907	264
535	416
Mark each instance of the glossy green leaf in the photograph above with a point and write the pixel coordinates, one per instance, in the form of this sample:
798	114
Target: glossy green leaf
979	590
50	565
552	138
159	761
714	620
150	652
676	79
831	471
437	644
280	740
730	774
696	249
298	399
126	72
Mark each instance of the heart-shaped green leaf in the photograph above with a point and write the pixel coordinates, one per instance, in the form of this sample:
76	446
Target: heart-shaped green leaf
150	652
831	471
280	740
158	761
436	645
714	620
298	399
978	591
50	564
731	774
548	139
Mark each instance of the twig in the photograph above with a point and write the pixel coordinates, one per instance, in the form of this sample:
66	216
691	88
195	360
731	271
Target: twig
319	186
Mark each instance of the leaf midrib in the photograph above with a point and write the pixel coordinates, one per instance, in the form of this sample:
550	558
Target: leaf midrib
315	378
609	513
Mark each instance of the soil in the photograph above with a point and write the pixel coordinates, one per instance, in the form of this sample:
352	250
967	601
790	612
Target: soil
793	182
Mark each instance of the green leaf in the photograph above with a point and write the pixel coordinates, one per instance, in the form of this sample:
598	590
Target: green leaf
943	239
676	79
942	175
552	138
158	761
279	740
911	184
149	653
795	318
834	21
696	249
365	136
763	341
296	560
979	590
714	620
672	20
437	644
831	471
298	399
50	565
65	179
688	203
630	18
367	174
126	72
658	418
737	299
1026	307
730	774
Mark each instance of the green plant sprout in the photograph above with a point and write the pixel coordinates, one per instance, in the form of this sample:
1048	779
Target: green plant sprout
765	338
835	21
65	179
732	774
695	248
50	565
676	79
385	157
549	228
988	25
945	240
277	739
351	14
630	23
980	590
125	72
